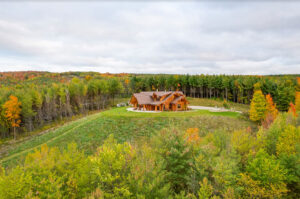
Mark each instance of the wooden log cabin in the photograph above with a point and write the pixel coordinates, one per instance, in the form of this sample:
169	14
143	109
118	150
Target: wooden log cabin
159	101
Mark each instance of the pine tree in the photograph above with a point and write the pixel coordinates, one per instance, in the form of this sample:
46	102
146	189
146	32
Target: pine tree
177	159
12	112
258	106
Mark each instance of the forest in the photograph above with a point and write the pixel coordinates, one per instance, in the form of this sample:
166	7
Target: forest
114	153
43	97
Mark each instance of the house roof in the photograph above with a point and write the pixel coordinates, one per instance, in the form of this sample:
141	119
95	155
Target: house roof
148	97
176	99
143	98
161	93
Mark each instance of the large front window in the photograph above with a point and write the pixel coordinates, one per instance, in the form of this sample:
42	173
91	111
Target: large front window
178	105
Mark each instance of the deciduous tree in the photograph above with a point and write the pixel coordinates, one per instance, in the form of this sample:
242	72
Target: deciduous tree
258	106
12	113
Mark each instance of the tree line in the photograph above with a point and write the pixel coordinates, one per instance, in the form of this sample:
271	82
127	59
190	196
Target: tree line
236	88
31	100
24	108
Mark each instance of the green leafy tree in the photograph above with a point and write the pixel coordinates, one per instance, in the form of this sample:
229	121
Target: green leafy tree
206	190
265	176
112	167
115	87
27	111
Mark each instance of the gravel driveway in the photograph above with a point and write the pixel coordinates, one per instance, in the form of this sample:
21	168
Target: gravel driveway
212	109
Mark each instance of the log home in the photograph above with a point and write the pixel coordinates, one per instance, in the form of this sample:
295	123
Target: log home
159	101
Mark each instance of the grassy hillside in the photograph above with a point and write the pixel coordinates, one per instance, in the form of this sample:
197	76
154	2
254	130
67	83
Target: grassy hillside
89	132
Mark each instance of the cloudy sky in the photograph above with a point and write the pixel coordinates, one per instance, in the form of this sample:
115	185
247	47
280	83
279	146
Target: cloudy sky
157	37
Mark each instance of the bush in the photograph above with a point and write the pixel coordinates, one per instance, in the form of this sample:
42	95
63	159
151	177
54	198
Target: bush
264	177
226	104
50	173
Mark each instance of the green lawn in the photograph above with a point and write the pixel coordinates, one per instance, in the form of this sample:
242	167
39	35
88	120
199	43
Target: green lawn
122	112
89	132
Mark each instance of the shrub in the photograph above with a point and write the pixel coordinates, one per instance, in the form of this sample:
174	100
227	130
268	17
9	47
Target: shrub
226	104
111	164
50	173
124	172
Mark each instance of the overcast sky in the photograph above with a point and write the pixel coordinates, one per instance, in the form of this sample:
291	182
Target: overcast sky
157	37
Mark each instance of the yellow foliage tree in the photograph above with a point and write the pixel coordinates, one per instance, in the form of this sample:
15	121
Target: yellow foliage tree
88	77
192	136
254	189
12	112
258	106
288	140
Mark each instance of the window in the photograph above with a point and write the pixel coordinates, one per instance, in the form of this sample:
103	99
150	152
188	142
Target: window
178	105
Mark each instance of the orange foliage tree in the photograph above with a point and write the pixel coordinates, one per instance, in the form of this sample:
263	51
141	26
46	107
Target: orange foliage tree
297	101
127	81
12	109
292	110
270	106
271	112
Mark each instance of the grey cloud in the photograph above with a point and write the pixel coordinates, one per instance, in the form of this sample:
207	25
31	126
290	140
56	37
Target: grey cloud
159	37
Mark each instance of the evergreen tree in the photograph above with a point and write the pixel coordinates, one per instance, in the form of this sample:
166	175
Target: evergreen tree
177	158
286	95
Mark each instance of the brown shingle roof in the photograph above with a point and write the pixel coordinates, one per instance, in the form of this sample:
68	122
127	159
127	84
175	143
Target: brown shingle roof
162	93
143	98
176	100
147	97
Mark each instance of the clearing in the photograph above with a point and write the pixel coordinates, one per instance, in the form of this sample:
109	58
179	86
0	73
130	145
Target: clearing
89	132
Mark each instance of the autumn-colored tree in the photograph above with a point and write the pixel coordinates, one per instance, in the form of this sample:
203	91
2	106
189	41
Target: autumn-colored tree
270	106
271	112
88	77
292	110
192	136
127	81
258	106
12	112
287	142
297	101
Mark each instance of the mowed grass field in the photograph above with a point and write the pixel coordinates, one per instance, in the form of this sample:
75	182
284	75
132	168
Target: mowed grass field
90	132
